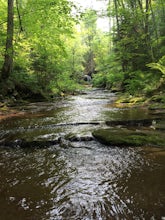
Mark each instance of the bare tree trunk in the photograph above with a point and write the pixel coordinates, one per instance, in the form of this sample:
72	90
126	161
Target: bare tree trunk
117	19
8	59
146	17
148	38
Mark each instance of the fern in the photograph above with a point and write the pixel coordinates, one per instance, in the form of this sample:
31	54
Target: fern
158	66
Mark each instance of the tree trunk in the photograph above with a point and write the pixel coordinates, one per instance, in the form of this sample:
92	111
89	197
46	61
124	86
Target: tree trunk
19	16
117	19
8	59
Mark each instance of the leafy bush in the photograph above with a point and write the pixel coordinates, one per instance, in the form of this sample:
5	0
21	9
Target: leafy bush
138	82
160	66
114	79
99	80
63	83
108	80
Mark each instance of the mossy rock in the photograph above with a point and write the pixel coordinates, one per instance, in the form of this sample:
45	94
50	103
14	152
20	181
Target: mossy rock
131	100
125	137
132	122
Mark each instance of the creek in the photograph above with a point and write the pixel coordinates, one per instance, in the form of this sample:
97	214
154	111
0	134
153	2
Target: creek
82	180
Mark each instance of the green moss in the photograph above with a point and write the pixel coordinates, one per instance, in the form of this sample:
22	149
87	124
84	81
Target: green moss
125	137
128	100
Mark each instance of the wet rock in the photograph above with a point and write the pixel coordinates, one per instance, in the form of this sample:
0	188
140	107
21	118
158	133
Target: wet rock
75	138
29	144
64	143
79	123
157	106
157	110
135	122
125	137
160	125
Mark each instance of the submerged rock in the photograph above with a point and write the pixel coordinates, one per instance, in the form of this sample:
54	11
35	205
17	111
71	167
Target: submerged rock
76	138
125	137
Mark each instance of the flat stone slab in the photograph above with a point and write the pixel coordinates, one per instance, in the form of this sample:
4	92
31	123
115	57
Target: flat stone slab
125	137
63	142
132	122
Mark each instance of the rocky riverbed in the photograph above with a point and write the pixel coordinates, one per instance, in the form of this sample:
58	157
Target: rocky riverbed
54	163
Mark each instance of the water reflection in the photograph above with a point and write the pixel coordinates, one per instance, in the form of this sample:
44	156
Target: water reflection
87	180
27	180
127	113
83	182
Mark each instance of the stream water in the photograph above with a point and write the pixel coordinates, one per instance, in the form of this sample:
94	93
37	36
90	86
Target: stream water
84	180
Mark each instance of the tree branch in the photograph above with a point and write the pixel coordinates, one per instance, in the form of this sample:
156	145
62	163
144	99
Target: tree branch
19	16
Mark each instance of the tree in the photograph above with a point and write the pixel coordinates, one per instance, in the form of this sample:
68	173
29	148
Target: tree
89	25
8	59
132	40
39	29
138	39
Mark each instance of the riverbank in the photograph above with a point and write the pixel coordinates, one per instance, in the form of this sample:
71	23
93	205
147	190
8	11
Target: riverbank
9	107
154	101
136	131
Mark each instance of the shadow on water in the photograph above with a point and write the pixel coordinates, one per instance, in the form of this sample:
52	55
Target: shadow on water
27	182
84	181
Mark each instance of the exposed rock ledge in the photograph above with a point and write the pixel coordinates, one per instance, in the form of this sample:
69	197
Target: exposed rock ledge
125	137
63	142
133	122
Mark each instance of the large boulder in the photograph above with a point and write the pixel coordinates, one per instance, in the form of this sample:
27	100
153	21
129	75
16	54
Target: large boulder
125	137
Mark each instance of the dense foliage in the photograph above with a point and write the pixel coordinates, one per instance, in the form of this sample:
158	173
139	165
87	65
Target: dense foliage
138	40
46	48
40	50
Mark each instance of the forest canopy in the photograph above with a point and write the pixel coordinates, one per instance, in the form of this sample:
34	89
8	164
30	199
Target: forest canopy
46	49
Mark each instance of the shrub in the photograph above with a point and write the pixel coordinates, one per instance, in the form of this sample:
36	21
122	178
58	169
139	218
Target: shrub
99	80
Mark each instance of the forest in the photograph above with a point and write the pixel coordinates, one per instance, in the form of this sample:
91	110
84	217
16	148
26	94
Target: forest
82	110
47	47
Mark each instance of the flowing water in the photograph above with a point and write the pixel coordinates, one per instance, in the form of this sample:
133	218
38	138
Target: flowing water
81	180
